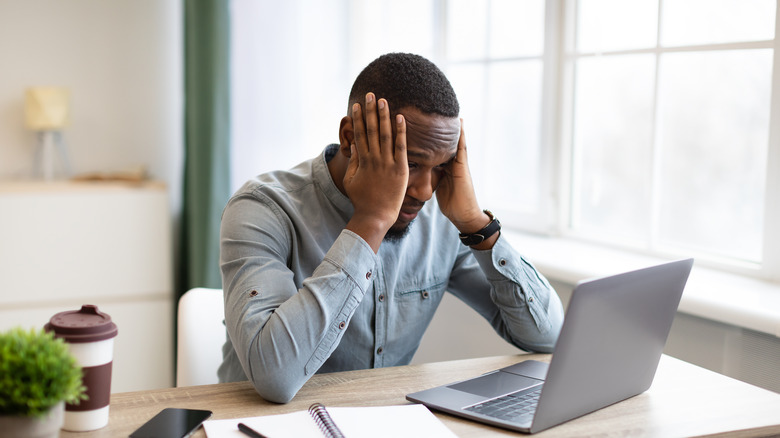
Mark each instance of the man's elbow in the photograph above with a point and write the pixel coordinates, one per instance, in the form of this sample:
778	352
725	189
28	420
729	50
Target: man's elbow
274	389
543	341
276	381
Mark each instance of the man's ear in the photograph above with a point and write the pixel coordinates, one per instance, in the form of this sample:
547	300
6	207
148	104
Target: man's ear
346	136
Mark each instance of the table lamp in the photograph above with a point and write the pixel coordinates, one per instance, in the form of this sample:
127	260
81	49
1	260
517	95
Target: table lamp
46	112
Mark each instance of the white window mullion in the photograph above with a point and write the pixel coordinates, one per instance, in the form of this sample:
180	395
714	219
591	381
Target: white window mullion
551	147
655	142
771	252
565	178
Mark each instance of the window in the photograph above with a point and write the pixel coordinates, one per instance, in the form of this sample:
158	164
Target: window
494	55
647	125
289	70
669	122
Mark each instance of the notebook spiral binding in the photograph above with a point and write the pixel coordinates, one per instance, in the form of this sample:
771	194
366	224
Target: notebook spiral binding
324	421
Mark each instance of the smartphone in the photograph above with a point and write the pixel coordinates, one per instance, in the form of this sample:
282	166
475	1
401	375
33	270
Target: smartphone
172	423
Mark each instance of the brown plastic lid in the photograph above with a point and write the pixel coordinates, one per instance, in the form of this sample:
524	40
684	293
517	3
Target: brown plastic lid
85	325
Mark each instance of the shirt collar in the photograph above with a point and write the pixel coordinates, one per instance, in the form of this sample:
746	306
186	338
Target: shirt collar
324	180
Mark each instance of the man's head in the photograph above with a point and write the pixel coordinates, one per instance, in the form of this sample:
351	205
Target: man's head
406	80
416	88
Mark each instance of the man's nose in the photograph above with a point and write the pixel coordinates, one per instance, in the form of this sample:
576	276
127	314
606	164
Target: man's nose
421	186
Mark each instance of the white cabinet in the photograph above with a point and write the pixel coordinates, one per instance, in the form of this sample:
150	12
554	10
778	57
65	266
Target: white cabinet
65	244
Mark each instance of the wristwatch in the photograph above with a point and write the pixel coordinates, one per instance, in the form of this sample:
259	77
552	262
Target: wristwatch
490	229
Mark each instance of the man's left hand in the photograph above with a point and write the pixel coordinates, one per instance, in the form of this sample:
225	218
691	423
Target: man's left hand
457	198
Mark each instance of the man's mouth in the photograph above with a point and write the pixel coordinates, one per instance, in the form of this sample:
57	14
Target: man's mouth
408	213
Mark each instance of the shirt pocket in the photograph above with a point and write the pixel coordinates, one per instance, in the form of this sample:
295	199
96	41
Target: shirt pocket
417	302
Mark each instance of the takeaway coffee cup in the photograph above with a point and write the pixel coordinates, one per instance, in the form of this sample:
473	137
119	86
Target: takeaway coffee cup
89	334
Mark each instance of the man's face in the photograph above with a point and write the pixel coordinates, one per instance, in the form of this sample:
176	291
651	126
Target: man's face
431	143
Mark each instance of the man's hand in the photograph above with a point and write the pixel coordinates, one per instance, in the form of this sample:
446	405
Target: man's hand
378	173
456	196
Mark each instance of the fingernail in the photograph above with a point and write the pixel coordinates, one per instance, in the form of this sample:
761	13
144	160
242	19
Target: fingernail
399	119
381	104
369	97
355	107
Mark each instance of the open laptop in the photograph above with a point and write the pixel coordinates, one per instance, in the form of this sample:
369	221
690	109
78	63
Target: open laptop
608	350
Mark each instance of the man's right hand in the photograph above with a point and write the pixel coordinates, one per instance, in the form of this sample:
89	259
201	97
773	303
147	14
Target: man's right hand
378	173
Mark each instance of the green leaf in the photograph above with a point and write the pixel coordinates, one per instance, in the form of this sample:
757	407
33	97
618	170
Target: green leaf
37	371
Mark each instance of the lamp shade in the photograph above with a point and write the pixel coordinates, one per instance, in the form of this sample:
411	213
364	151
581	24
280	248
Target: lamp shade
47	108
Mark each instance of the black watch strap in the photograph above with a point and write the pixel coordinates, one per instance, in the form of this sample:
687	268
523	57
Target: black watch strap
490	229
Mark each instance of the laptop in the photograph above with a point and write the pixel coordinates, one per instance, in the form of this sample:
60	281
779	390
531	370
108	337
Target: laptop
608	350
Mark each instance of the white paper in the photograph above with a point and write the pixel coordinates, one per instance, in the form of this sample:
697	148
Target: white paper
408	421
297	424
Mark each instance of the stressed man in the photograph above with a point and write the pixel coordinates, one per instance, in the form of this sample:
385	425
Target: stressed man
339	263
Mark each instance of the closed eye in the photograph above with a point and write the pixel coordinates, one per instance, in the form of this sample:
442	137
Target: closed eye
447	164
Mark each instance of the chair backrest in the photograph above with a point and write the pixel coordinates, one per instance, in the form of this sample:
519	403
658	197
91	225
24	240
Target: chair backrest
200	336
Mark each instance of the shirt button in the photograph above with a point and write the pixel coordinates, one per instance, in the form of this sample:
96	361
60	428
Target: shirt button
530	299
342	324
379	350
502	262
368	275
381	298
253	293
425	294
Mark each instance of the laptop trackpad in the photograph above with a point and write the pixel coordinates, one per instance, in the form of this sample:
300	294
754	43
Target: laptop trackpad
495	384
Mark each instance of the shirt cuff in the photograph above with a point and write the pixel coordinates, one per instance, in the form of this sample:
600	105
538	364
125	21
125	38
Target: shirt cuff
354	256
500	262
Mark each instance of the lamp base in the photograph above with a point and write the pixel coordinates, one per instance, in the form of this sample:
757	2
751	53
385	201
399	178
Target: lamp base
49	152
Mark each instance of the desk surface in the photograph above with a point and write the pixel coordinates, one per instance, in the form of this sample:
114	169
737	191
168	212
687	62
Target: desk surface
685	400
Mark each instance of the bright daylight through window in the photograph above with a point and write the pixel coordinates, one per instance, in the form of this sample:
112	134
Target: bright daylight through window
644	125
670	124
660	120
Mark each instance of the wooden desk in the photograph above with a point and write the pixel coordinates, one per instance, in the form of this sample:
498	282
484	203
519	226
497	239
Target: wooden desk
684	400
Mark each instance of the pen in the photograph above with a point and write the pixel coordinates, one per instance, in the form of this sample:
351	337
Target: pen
249	431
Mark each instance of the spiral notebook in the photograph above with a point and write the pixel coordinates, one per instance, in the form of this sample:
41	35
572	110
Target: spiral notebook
407	421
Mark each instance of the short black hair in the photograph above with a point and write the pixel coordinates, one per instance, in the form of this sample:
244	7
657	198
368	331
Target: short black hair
406	80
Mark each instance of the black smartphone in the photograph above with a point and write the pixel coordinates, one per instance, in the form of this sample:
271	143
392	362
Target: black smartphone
172	423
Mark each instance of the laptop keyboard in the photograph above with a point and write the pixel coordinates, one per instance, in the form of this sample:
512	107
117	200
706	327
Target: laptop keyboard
517	407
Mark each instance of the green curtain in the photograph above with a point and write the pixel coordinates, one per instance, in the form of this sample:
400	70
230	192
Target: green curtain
207	139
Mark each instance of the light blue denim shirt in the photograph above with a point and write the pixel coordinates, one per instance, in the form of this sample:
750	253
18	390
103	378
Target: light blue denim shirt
303	295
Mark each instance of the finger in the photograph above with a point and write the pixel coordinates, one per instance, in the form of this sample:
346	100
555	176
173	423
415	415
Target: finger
359	129
400	140
354	158
462	154
372	123
385	129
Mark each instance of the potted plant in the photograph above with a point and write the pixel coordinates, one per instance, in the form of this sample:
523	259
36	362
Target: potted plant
38	375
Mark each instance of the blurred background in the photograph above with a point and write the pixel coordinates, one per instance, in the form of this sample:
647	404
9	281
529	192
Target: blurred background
605	134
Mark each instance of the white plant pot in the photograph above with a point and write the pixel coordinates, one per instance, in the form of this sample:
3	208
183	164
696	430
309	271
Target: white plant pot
48	426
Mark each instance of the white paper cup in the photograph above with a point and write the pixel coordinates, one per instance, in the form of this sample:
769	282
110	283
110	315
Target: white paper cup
89	334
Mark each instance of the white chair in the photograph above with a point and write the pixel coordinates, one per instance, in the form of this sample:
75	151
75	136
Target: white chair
200	335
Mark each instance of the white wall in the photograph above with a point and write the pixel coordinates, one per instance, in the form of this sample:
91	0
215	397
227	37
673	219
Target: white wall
122	61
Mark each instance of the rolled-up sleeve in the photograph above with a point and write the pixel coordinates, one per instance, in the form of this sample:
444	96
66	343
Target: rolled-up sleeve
283	333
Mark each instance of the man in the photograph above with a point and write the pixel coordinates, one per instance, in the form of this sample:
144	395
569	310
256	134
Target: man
339	263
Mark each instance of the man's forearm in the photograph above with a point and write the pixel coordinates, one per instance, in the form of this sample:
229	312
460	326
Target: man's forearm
521	305
283	335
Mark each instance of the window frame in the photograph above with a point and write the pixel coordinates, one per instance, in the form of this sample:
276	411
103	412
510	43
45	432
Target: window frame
555	159
546	219
769	267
